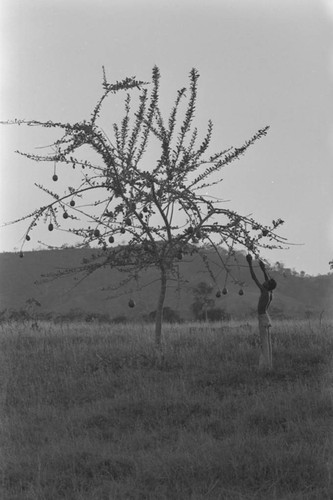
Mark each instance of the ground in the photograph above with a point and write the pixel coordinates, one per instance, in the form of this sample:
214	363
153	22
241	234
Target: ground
93	412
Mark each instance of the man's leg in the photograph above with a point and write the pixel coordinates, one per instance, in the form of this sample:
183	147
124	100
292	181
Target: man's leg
270	346
266	348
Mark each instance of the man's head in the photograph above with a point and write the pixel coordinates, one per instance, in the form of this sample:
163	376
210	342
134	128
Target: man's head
269	284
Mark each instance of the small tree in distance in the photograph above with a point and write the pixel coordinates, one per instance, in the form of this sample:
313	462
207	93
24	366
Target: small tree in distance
202	300
150	183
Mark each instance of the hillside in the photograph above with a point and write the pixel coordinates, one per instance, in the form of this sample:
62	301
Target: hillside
295	295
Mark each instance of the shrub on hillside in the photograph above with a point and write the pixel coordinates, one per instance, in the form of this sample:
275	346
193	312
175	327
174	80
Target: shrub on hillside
169	316
119	319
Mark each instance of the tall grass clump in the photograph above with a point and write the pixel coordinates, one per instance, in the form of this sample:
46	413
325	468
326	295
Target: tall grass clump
94	412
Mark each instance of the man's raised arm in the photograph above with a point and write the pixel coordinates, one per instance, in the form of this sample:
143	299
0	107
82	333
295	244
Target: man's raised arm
263	268
254	277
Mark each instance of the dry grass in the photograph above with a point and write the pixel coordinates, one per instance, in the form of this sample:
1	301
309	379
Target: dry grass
95	413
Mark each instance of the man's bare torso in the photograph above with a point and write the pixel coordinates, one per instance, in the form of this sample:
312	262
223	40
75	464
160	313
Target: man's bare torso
264	301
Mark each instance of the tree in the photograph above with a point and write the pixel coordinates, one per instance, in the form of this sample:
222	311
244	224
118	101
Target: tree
149	182
31	306
202	300
217	314
169	315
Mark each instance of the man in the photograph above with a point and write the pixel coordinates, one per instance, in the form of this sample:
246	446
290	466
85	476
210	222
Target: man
266	295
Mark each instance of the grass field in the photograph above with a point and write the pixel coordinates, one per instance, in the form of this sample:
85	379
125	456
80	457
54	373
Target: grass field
94	413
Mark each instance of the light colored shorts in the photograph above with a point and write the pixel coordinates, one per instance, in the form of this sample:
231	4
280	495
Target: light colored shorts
264	320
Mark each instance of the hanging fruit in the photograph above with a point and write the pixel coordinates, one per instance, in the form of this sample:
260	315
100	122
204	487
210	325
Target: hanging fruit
225	291
27	237
111	239
241	291
50	227
65	215
72	203
131	303
55	177
97	233
218	294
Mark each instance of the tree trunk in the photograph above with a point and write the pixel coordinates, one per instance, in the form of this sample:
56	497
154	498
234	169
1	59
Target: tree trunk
159	309
206	313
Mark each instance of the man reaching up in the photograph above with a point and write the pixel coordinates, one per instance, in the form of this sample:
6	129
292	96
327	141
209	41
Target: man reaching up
266	295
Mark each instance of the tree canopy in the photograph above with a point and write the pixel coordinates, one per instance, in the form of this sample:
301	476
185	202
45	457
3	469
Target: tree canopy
149	182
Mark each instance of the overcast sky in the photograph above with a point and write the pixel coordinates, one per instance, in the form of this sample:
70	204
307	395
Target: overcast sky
262	62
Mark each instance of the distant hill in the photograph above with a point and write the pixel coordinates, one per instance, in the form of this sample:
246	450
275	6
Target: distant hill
295	296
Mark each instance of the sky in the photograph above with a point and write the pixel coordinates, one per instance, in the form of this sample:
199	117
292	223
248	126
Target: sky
261	62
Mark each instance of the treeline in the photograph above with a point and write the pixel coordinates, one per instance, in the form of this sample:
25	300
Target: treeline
212	314
195	296
78	315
